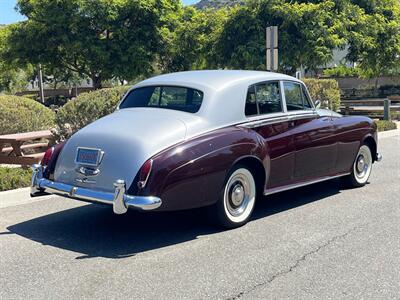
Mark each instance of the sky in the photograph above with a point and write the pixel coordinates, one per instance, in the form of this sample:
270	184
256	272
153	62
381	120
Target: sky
8	14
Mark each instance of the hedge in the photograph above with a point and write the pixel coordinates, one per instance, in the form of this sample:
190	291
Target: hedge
325	90
14	178
19	114
385	125
85	109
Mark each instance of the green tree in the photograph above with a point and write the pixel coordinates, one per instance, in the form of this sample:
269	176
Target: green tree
308	33
374	36
372	30
241	43
189	44
13	77
100	39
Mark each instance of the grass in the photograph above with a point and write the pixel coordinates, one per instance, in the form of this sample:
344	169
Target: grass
14	178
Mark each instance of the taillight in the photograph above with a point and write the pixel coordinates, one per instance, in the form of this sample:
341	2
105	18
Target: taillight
144	173
47	156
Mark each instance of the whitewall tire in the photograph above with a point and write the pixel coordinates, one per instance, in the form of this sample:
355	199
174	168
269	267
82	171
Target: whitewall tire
237	201
362	167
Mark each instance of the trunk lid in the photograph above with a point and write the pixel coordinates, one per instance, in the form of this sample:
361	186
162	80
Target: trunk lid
128	138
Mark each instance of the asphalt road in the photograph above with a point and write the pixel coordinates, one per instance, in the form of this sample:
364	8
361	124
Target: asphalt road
316	242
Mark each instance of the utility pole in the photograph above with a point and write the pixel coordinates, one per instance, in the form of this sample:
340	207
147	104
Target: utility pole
271	39
40	79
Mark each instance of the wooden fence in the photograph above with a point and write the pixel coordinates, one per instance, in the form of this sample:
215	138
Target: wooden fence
67	93
374	108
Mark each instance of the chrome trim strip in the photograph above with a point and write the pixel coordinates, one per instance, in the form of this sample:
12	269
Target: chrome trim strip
301	184
120	201
301	116
379	157
269	121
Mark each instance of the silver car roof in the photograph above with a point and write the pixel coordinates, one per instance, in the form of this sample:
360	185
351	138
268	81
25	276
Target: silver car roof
224	91
216	80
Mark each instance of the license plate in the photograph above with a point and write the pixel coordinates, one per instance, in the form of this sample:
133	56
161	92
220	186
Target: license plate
88	157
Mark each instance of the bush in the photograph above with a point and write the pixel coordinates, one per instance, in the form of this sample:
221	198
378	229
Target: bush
85	109
325	90
14	178
385	125
19	114
343	71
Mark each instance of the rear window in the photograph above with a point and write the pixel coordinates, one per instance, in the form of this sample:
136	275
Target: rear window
169	97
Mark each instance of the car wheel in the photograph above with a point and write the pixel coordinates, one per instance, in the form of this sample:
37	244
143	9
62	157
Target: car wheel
361	169
237	199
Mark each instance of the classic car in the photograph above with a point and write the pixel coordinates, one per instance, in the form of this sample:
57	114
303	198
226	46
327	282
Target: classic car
208	138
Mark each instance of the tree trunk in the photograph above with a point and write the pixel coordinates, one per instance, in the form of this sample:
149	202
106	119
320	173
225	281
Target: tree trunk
376	83
96	82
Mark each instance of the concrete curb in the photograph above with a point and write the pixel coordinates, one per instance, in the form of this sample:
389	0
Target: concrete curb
18	197
389	133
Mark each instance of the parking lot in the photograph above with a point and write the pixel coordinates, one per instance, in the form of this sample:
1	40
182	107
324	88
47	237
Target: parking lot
317	242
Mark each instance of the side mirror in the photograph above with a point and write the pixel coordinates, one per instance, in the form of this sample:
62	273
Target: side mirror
317	104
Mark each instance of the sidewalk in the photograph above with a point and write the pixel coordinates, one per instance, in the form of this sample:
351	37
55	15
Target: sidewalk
18	197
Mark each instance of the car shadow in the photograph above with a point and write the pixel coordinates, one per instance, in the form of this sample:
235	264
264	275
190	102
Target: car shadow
94	231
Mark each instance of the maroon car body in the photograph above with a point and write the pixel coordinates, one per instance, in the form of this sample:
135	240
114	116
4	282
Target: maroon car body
284	155
271	138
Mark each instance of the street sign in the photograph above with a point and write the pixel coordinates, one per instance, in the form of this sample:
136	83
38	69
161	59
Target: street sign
272	58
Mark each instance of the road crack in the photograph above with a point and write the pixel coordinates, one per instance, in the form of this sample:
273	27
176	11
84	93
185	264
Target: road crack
294	265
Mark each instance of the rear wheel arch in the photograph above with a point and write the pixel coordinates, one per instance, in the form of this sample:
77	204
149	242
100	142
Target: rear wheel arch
256	167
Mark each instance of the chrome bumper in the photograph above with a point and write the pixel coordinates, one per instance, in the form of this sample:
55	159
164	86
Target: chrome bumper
119	200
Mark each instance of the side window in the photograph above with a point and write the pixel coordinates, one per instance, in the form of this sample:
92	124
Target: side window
306	99
155	97
251	108
197	98
268	97
293	95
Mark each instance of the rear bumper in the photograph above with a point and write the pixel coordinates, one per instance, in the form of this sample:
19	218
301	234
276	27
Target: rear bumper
120	201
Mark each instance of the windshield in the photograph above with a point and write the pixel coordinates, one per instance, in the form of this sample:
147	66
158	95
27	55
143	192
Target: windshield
169	97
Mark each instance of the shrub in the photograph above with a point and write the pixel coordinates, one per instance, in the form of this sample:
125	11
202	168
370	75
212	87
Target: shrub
14	178
85	109
343	71
19	114
385	125
325	90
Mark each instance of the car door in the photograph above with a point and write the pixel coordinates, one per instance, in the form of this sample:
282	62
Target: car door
264	108
313	136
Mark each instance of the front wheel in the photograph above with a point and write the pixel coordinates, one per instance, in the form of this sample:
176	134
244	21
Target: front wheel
237	199
361	169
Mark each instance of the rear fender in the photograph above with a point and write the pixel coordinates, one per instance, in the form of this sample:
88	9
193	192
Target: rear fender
192	173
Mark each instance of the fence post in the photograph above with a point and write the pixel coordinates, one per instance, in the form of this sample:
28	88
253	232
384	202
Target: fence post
386	110
40	83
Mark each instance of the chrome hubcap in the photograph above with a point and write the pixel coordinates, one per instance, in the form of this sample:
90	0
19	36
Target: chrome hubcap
361	164
239	195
